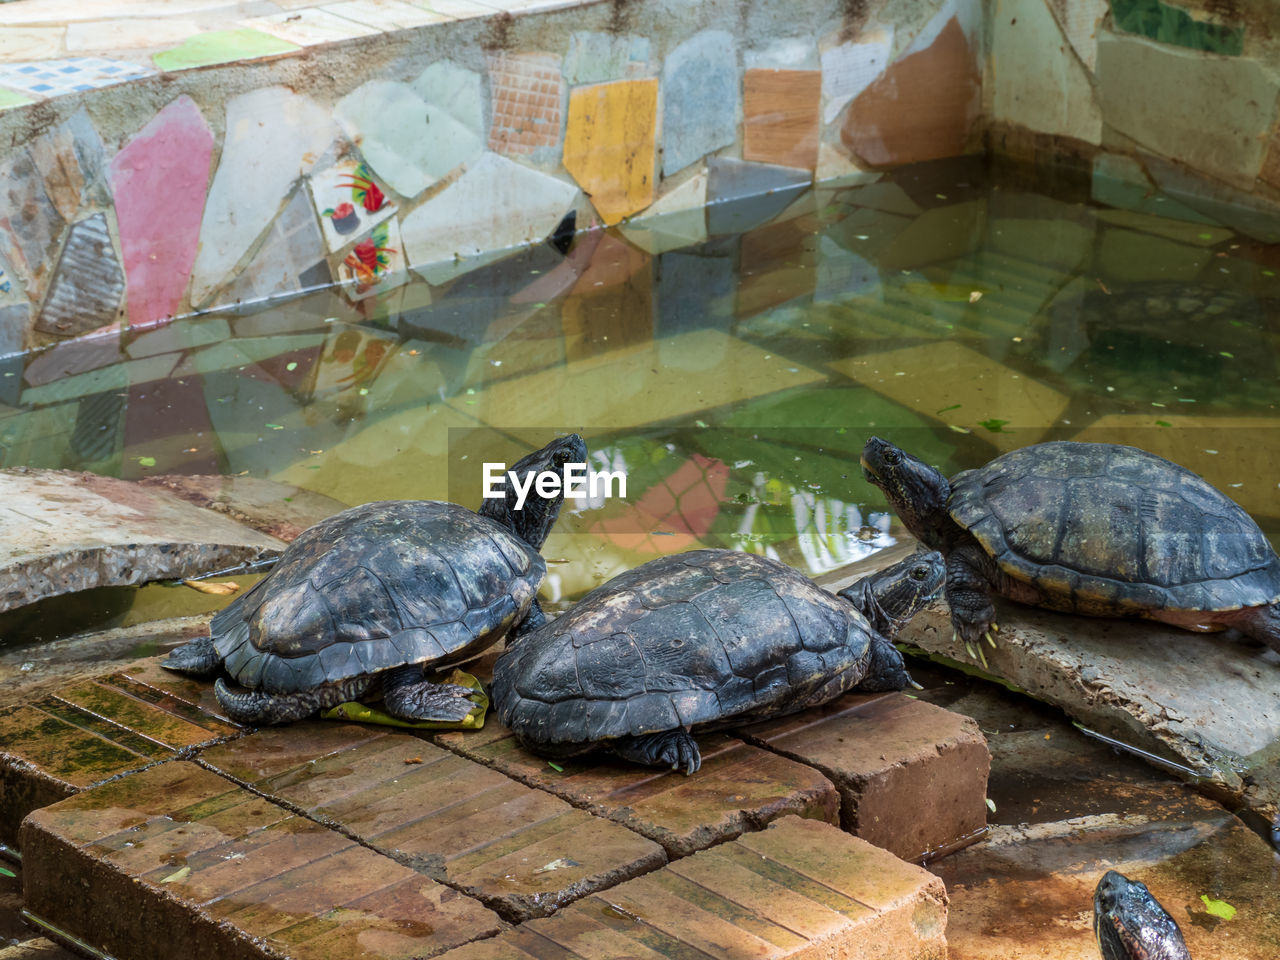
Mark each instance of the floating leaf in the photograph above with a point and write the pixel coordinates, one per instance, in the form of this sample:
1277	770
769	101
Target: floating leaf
180	875
956	428
994	425
954	406
1217	908
218	589
991	805
6	872
1224	353
274	426
146	461
291	365
555	766
1163	423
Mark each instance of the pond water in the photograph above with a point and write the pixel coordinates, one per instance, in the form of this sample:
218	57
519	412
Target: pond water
731	363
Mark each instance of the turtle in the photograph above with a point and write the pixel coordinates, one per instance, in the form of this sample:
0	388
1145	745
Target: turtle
1130	924
700	640
1100	529
374	594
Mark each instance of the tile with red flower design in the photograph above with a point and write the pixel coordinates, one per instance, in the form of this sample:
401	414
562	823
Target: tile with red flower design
348	200
528	98
375	264
350	358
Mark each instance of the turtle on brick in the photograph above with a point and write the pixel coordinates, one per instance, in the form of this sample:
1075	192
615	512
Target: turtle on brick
700	640
375	594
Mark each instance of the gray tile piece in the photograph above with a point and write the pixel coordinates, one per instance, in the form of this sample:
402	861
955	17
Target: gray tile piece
29	222
742	195
701	99
88	286
291	258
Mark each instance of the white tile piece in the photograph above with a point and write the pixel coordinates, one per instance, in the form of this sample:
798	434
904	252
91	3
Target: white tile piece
385	14
496	204
595	57
1080	20
455	90
458	9
787	54
31	42
273	136
701	99
408	142
309	27
106	36
1042	85
849	68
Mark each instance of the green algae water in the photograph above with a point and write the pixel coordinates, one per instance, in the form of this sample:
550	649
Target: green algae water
731	362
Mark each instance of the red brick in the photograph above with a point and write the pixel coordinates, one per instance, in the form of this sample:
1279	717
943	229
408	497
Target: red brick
799	889
912	776
740	787
523	851
178	861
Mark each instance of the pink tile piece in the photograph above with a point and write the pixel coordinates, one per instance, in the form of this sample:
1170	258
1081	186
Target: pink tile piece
528	96
159	181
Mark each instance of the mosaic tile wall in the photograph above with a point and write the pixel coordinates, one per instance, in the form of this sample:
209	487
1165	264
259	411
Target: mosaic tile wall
416	148
1172	97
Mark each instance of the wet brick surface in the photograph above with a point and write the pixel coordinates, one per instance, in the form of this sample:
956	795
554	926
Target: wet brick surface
912	776
799	889
178	861
92	730
739	787
523	851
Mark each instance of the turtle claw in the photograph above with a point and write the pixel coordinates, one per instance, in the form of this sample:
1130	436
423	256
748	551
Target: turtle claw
983	657
968	648
990	639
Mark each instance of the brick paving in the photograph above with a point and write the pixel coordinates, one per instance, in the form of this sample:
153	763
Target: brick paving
323	839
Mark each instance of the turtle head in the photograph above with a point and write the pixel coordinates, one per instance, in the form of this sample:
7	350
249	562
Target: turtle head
893	596
916	491
530	514
1130	924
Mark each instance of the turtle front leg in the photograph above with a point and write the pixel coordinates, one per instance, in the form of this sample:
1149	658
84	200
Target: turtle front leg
531	622
969	596
407	695
1260	623
253	707
670	748
885	668
197	659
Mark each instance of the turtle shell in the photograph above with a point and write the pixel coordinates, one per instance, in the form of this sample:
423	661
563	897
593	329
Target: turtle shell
380	585
1114	529
682	640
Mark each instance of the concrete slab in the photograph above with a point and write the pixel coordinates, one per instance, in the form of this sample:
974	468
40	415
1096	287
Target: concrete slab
178	861
1207	702
739	788
912	776
118	533
799	889
87	732
522	851
278	509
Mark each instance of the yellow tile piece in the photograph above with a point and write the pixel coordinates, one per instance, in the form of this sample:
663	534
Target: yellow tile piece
1235	454
672	378
609	145
933	377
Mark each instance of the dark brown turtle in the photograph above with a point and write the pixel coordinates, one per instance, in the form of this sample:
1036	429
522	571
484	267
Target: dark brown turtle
1130	924
1094	528
701	640
376	593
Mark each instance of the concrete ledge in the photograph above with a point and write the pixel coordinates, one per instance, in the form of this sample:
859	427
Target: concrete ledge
177	861
912	777
799	889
